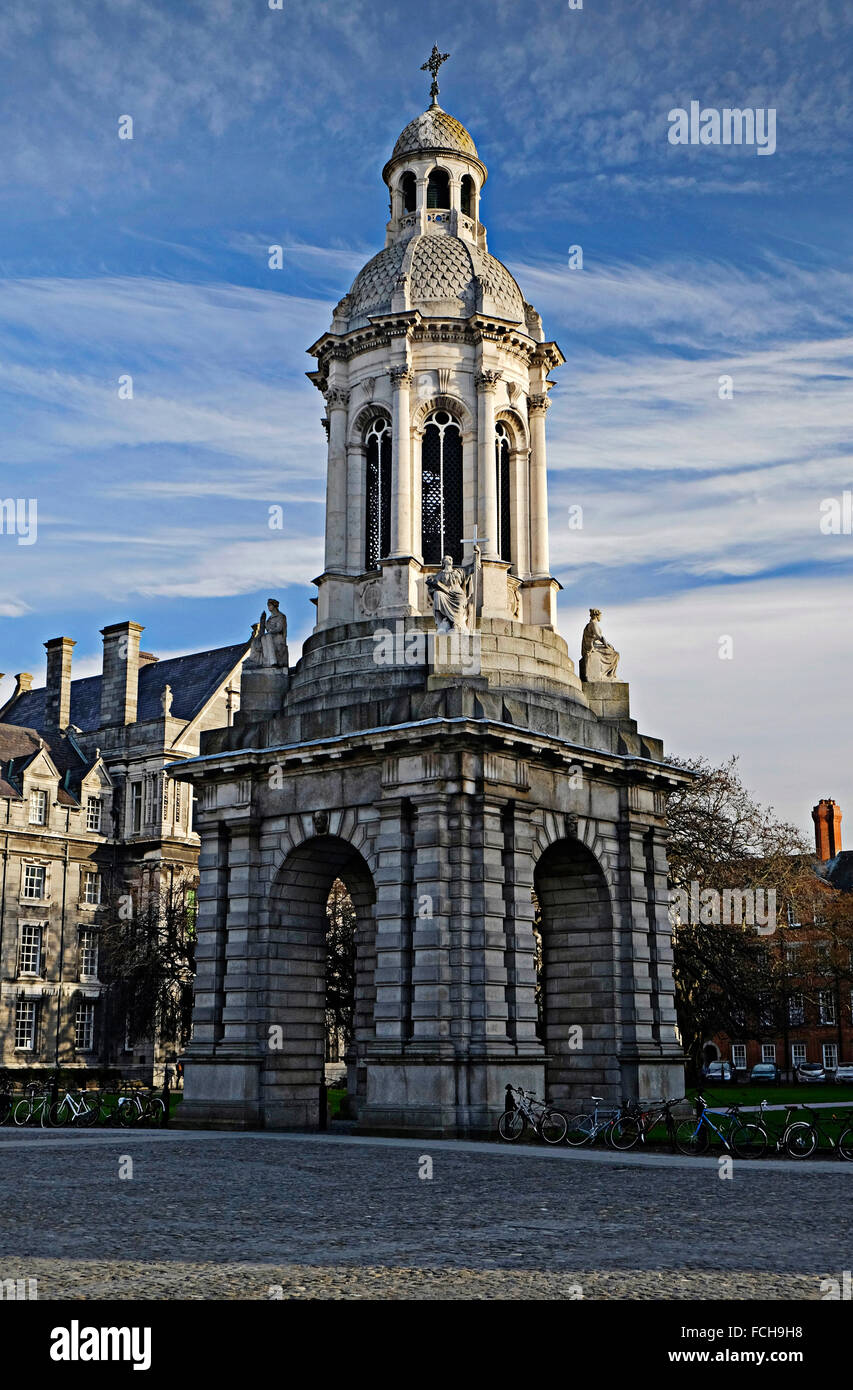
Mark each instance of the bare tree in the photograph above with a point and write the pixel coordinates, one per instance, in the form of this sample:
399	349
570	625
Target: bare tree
148	942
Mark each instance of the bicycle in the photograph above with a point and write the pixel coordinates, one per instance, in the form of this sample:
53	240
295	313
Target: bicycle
635	1125
804	1136
548	1123
585	1128
75	1108
35	1102
140	1107
746	1140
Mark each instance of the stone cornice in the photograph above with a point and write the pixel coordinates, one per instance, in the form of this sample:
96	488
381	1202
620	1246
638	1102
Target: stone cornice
626	768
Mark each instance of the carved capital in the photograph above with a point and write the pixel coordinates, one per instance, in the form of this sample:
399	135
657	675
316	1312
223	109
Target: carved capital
487	380
401	376
538	403
337	399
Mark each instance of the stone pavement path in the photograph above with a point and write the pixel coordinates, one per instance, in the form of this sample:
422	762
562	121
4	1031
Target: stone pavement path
259	1216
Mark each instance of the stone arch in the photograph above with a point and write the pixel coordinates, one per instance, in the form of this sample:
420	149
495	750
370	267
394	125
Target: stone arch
294	996
516	426
362	421
580	974
452	404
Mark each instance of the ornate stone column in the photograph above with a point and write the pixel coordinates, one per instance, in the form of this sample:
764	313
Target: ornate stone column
356	473
486	382
337	402
401	464
539	559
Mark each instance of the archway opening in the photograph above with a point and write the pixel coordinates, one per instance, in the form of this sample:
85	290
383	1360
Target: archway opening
577	975
320	991
438	189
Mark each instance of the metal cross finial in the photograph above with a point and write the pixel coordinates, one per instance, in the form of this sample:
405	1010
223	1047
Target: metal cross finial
432	65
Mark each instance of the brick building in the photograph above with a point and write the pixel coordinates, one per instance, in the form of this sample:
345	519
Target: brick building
86	809
815	1022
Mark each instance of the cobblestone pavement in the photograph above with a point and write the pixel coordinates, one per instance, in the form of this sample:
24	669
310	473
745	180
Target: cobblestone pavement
264	1216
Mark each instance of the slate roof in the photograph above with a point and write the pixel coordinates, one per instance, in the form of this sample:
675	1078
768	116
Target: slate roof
19	746
839	871
194	678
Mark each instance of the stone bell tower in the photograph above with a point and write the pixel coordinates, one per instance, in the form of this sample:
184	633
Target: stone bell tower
498	821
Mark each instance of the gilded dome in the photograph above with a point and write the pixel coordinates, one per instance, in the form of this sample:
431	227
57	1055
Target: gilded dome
435	130
441	272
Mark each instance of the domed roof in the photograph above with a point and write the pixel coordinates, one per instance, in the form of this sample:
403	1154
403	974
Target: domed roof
441	272
435	130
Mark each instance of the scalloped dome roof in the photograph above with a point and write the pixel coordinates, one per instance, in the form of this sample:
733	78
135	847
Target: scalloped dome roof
435	130
441	270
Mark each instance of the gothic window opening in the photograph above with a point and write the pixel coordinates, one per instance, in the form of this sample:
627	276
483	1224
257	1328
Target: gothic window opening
441	471
378	519
438	189
467	195
502	466
409	190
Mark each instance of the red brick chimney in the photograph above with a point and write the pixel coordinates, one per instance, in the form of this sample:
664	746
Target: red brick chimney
827	829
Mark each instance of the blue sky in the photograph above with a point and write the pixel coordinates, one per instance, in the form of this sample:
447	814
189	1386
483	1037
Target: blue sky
255	127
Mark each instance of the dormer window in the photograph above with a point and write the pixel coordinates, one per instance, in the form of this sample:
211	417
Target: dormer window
438	189
38	807
467	195
409	191
93	813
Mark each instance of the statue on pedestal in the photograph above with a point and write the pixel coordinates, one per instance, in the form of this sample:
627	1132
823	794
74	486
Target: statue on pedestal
598	659
451	594
269	640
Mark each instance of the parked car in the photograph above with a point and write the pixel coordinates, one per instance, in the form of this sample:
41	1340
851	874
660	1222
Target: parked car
844	1074
720	1072
810	1071
768	1072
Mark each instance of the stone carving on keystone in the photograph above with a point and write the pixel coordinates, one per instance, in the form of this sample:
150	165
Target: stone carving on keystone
269	639
450	590
598	659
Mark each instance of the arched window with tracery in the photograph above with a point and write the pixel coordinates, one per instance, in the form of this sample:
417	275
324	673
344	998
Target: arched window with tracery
467	195
378	512
409	191
441	472
438	189
502	447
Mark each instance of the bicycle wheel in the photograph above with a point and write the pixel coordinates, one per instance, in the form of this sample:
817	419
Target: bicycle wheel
579	1130
128	1114
553	1126
511	1125
801	1139
691	1137
749	1141
58	1114
845	1145
154	1112
624	1134
22	1114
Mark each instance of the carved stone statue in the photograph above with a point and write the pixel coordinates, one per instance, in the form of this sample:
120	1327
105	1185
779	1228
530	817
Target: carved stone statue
450	591
269	639
598	659
166	700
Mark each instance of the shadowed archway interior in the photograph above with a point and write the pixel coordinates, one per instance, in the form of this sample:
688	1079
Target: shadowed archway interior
295	1001
578	973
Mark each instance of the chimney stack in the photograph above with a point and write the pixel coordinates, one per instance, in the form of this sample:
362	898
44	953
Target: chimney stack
57	698
827	829
120	680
